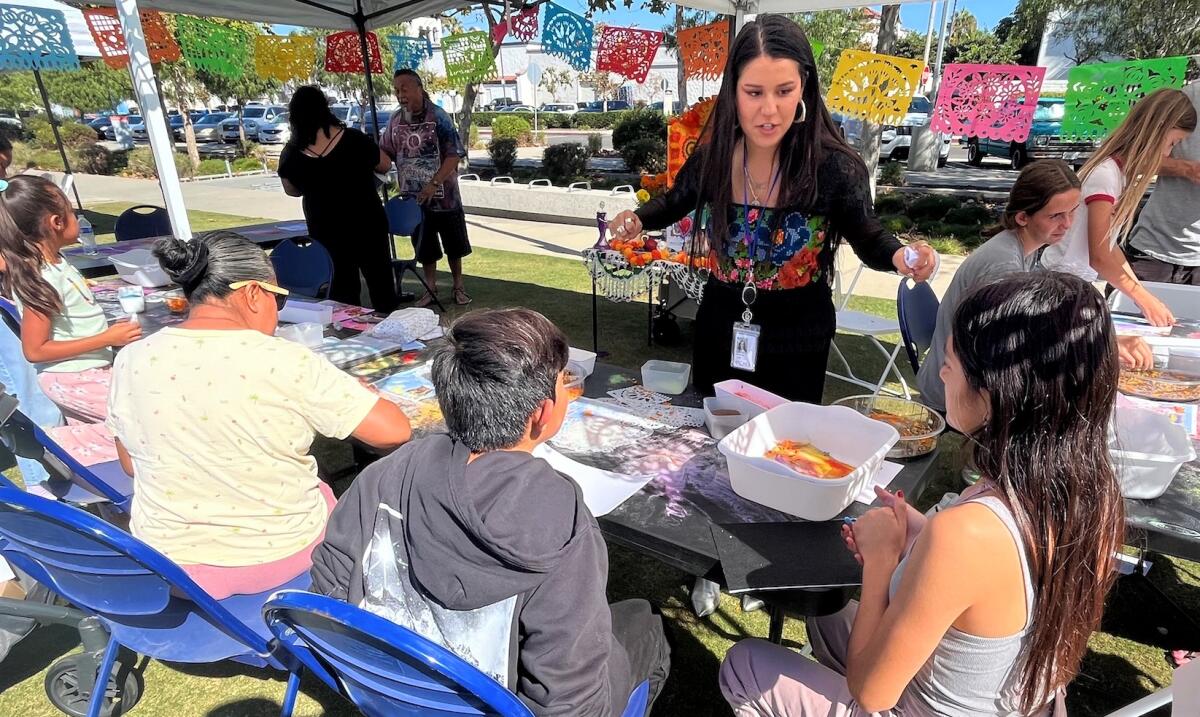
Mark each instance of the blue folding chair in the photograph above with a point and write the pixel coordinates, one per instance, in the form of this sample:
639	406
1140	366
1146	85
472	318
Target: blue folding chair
146	602
917	309
406	218
305	270
386	669
141	222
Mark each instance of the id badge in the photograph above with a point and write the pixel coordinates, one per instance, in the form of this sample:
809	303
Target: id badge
744	353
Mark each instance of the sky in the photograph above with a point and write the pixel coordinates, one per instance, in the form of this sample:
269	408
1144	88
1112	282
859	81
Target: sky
913	16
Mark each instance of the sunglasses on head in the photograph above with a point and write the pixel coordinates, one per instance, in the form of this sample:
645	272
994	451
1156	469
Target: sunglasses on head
278	292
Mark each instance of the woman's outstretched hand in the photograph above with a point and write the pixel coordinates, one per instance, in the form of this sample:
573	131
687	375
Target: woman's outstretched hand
925	262
625	225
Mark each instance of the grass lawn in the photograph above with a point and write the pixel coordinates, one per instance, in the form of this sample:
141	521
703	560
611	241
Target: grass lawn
1124	662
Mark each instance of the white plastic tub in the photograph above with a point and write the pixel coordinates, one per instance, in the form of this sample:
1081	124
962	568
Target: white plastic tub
308	334
842	432
667	377
752	399
141	268
1147	450
585	359
718	425
306	312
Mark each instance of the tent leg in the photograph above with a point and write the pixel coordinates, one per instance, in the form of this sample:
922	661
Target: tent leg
62	151
360	24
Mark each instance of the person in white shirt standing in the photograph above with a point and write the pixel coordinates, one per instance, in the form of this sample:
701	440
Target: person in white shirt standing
1165	243
1114	180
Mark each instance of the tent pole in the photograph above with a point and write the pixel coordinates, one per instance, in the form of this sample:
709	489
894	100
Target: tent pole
360	24
62	151
162	144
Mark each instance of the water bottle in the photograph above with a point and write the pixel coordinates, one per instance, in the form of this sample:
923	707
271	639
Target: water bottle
87	235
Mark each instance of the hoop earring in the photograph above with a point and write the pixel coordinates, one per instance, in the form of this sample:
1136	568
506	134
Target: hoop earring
803	113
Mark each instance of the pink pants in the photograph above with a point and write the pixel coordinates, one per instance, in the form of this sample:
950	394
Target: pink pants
82	395
222	582
761	679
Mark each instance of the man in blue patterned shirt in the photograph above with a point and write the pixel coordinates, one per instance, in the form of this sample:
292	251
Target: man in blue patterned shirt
423	142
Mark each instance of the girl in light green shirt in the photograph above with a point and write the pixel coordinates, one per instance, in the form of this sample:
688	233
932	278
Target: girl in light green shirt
64	332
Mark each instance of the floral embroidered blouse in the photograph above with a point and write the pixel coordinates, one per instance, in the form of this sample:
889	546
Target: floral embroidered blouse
793	246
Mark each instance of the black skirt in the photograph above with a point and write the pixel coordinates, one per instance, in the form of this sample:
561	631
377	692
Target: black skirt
793	348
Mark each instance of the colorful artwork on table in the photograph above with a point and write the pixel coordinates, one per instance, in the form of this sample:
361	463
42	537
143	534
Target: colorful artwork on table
409	52
343	52
1100	95
285	58
105	27
627	51
874	87
704	50
683	135
219	49
34	38
568	36
468	58
522	25
990	101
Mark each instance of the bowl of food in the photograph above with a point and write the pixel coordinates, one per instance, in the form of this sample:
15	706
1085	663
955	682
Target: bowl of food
918	425
805	460
1161	385
573	380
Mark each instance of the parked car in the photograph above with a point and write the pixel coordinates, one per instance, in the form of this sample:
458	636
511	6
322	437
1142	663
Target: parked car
111	135
100	124
676	106
208	127
348	113
498	104
895	140
362	125
177	123
605	106
277	131
519	108
565	108
252	116
1044	141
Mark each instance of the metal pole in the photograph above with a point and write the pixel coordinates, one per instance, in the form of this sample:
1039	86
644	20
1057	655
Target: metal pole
925	152
929	32
361	25
62	151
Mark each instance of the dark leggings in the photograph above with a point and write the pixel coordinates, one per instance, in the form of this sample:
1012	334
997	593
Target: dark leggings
370	256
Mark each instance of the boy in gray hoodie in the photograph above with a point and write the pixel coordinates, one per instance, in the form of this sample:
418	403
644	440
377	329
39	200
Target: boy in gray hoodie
472	542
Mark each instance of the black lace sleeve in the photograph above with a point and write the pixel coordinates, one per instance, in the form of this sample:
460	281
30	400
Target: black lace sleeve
663	211
852	213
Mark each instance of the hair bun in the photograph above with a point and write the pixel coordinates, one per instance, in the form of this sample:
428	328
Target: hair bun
184	261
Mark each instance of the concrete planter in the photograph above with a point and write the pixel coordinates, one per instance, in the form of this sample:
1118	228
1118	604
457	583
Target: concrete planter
538	201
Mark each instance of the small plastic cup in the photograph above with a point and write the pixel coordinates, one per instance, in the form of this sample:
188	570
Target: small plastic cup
176	302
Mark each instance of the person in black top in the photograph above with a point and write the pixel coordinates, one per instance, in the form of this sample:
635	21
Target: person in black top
333	168
774	189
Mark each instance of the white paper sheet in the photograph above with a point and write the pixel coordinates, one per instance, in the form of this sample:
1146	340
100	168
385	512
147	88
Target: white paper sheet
887	472
6	572
602	490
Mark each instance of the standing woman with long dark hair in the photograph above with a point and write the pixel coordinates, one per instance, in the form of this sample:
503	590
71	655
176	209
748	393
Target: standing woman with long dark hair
774	187
333	168
985	609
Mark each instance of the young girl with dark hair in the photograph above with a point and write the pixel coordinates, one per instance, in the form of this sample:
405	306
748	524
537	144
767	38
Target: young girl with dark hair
774	187
986	608
63	330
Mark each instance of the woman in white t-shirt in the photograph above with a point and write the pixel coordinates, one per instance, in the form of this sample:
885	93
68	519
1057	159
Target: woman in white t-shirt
214	419
1114	180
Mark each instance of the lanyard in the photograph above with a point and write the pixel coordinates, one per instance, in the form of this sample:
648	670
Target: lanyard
750	291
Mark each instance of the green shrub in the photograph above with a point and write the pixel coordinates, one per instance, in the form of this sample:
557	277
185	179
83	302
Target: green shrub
890	203
483	119
140	163
473	137
503	151
647	155
932	206
563	163
28	156
595	143
247	164
896	223
13	133
968	234
209	167
554	120
511	126
96	159
638	125
247	148
74	134
597	120
970	213
892	175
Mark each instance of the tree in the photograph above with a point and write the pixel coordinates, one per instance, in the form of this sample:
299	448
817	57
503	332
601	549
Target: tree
1133	29
601	83
95	86
889	20
837	30
553	78
17	90
248	85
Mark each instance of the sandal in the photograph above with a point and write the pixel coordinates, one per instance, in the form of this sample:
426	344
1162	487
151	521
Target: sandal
461	298
425	300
